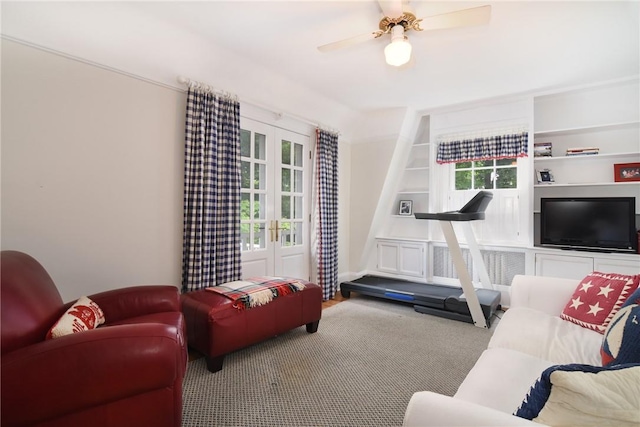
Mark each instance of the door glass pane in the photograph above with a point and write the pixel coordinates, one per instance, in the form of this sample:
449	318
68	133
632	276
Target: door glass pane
297	207
245	143
286	207
245	237
297	181
260	178
259	206
245	169
507	178
286	152
286	179
245	206
260	147
296	234
463	180
259	240
297	159
285	234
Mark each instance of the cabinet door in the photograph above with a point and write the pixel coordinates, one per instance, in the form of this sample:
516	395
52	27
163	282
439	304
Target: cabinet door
617	266
568	267
401	258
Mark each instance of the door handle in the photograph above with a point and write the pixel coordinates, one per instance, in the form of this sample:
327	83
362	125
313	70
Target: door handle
277	229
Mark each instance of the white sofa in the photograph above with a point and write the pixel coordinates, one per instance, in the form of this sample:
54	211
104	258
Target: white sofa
529	338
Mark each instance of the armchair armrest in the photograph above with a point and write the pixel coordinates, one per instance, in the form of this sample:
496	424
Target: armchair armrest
87	369
124	303
546	294
431	409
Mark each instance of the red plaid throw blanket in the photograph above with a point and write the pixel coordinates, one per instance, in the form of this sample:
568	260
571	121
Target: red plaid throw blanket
257	291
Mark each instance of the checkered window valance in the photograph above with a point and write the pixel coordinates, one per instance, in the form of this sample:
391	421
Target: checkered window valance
473	148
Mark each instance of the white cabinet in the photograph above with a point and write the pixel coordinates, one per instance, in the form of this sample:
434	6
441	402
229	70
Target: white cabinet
576	265
401	257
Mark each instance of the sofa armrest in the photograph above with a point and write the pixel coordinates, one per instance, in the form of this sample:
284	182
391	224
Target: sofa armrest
542	293
134	301
431	409
87	369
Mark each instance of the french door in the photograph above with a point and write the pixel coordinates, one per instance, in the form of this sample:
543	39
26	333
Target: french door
275	202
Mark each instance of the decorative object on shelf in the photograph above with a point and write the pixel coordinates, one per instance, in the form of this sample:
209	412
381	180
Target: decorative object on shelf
542	149
406	208
544	176
582	151
625	172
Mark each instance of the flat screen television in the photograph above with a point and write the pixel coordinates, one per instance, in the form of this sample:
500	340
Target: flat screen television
605	224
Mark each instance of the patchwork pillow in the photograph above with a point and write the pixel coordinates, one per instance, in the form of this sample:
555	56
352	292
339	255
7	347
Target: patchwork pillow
597	298
585	395
621	343
83	315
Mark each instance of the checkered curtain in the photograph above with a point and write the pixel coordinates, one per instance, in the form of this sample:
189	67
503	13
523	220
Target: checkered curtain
326	212
211	239
483	148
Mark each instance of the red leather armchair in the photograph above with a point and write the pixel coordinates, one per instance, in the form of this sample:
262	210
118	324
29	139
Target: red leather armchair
127	372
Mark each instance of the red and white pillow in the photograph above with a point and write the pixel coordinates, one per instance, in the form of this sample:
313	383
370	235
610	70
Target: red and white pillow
81	316
598	298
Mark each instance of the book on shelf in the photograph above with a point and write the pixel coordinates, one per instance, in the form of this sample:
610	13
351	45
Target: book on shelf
542	149
581	151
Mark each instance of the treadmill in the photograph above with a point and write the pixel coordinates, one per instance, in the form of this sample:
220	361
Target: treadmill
465	303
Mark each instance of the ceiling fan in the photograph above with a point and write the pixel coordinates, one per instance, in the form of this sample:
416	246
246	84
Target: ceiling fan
398	20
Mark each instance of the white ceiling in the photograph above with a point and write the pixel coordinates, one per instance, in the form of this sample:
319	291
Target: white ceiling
266	50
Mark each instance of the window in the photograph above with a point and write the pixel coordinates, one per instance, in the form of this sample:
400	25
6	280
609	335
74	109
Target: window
486	174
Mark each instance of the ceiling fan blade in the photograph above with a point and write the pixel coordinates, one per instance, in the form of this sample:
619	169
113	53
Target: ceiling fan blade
392	8
460	18
347	42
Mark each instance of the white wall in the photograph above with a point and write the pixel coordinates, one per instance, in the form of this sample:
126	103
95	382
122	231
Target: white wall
92	167
92	172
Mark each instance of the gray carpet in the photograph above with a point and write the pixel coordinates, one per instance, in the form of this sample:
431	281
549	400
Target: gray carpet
360	369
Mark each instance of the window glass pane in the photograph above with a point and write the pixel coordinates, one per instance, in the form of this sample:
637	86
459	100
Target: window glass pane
297	181
259	206
286	207
297	207
286	179
245	143
482	179
297	160
245	206
259	239
260	178
506	162
463	180
260	147
483	163
463	165
507	178
245	237
245	168
286	152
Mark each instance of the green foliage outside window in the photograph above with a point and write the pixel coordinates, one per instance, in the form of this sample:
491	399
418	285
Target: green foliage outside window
486	174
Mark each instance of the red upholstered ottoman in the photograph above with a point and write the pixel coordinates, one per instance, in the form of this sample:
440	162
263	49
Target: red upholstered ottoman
216	326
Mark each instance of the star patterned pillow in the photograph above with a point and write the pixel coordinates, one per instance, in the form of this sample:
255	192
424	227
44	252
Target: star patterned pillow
597	299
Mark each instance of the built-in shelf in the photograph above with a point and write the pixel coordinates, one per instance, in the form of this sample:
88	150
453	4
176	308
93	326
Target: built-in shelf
569	131
586	184
413	192
417	168
585	156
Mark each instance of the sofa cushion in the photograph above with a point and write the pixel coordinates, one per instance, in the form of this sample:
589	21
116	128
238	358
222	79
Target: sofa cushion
83	315
597	298
621	343
546	337
585	395
501	378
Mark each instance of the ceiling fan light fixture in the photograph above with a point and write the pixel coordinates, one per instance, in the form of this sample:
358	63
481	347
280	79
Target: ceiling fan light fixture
398	52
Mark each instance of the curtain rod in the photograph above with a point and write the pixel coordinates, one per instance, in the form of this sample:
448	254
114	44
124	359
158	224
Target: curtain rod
279	114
